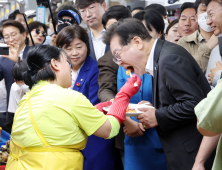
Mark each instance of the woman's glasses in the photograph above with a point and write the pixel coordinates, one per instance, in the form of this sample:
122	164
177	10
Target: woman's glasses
37	31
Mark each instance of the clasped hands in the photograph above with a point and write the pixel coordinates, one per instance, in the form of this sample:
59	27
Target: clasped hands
146	120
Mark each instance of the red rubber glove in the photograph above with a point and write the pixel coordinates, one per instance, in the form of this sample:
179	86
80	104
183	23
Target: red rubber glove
100	106
121	102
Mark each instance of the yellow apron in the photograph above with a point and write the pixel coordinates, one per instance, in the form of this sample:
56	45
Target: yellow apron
47	157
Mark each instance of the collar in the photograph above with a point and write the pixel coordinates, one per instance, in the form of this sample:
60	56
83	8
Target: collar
194	37
200	38
149	64
21	52
101	34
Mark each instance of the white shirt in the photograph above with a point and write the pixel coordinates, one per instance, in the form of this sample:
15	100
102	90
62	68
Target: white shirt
3	96
149	64
98	45
16	94
74	76
21	53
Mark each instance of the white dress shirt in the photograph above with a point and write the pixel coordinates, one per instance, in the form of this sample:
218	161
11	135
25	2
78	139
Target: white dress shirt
21	53
149	64
3	94
98	45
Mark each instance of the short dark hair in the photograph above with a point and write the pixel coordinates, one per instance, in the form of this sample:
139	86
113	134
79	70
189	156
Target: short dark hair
157	7
38	61
154	19
12	16
115	12
14	24
196	4
139	15
126	29
34	25
206	2
171	25
79	4
69	7
186	5
138	8
69	33
18	69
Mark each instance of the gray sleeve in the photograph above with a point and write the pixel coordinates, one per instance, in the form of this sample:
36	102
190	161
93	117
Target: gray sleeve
216	78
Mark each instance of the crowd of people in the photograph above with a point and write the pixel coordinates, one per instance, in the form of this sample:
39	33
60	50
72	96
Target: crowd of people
54	88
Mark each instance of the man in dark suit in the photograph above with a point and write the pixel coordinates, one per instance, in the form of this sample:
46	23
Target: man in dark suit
14	35
178	86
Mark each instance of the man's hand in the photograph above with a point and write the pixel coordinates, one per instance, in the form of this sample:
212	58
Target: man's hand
144	101
212	42
148	119
13	53
213	71
53	40
133	128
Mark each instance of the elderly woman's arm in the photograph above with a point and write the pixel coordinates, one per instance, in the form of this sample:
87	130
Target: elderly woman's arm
92	121
209	112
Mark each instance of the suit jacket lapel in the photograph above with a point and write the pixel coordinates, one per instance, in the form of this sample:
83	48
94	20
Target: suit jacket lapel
92	52
26	50
157	50
83	74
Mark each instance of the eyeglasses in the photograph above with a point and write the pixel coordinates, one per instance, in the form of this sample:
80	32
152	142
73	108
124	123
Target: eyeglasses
117	57
210	15
91	9
13	36
70	21
37	31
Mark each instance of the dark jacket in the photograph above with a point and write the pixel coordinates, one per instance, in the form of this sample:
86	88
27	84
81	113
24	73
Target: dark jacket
92	52
107	77
179	85
6	71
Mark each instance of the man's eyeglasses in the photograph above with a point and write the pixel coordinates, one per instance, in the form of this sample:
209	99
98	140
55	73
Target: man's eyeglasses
117	57
91	9
210	15
13	36
37	31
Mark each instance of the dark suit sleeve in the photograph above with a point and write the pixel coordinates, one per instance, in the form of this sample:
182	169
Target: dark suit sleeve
181	80
1	71
93	93
107	77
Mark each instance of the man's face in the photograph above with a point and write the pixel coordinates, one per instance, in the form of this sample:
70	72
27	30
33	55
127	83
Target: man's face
92	15
131	56
20	18
12	35
201	9
187	22
214	11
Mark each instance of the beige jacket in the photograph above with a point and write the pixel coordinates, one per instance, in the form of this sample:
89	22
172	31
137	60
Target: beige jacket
195	44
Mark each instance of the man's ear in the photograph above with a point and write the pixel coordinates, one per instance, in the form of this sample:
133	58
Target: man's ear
138	42
104	6
54	65
24	34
